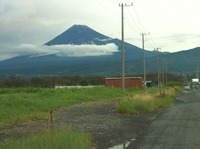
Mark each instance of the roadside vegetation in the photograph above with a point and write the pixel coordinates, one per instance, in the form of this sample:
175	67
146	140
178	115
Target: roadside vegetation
20	105
26	104
61	138
148	100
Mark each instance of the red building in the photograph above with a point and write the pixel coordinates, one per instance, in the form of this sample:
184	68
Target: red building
130	82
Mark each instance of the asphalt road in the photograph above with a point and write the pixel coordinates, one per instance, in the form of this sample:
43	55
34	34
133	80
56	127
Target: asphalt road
178	127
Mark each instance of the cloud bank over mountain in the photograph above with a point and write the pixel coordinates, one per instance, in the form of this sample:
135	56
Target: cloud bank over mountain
68	50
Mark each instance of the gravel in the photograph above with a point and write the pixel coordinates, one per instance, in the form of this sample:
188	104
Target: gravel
107	127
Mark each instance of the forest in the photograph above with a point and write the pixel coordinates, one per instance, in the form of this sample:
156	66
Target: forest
52	81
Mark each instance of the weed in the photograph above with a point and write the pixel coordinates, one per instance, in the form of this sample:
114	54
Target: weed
60	138
25	104
147	101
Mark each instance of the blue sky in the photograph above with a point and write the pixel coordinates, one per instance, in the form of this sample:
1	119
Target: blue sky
173	24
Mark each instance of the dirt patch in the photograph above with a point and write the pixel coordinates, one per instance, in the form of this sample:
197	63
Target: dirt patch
107	127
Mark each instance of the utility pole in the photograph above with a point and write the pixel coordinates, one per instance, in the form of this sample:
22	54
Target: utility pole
163	71
123	66
197	70
158	65
166	71
144	59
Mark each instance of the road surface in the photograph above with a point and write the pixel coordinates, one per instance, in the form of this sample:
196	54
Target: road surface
178	127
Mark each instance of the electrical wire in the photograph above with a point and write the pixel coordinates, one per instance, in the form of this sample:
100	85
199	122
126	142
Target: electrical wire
130	24
134	22
150	42
112	1
136	14
137	28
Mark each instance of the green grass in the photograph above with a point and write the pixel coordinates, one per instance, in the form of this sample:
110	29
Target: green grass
18	105
147	101
24	104
60	138
140	106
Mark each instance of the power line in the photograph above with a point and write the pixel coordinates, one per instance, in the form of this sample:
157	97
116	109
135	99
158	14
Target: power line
131	26
150	43
138	18
134	21
135	24
139	27
112	1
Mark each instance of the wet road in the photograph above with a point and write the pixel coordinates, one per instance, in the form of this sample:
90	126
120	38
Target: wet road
178	127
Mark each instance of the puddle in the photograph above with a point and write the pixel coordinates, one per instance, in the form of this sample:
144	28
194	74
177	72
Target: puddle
123	146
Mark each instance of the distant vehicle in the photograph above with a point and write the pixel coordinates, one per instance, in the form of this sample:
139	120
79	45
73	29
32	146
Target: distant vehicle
148	83
195	84
187	87
195	80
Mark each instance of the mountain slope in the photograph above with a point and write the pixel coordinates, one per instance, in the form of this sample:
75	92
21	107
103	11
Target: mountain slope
184	62
104	65
82	34
78	35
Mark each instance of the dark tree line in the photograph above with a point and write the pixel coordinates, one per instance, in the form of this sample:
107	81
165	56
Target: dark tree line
72	80
51	81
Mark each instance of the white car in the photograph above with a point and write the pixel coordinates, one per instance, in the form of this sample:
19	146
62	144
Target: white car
187	87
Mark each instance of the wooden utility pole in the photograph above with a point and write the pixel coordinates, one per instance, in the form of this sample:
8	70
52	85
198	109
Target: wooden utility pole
123	66
144	59
158	65
166	71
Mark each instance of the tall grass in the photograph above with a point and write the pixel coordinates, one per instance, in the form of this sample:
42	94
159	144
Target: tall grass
61	138
24	104
147	101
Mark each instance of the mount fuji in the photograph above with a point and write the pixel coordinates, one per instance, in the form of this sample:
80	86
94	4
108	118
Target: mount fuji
79	50
78	35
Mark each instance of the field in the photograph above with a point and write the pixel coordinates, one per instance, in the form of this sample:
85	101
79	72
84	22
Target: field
27	104
20	105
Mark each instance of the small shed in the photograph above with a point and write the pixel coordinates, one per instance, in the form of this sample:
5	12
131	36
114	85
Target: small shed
130	82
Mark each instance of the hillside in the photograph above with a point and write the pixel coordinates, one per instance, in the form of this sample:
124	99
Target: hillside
98	65
78	35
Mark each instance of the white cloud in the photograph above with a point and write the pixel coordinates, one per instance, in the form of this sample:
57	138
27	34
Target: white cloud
38	21
67	50
108	39
85	50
